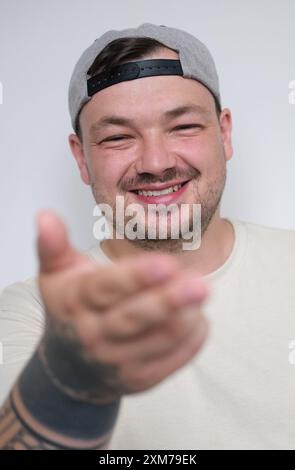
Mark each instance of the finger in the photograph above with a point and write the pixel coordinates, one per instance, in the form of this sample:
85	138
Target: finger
150	309
54	249
154	343
110	284
142	376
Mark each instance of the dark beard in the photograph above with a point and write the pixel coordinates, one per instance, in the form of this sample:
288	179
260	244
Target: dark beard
170	245
209	205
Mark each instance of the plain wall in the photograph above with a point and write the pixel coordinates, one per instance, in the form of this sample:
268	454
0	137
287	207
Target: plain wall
40	41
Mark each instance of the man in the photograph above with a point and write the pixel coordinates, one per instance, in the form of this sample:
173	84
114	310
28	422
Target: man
107	349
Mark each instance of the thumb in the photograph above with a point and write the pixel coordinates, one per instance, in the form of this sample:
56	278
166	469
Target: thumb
53	246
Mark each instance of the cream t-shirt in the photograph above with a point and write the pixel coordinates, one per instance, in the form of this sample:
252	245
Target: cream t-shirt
238	392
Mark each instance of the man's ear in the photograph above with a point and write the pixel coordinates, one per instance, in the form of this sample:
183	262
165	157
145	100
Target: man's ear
78	153
225	122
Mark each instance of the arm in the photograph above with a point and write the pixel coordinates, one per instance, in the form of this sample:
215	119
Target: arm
39	414
110	331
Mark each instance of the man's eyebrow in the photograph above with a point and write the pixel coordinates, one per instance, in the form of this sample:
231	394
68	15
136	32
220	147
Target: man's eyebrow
105	121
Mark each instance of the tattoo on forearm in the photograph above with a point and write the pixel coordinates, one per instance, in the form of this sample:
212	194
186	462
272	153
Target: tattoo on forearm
39	415
78	375
14	436
62	399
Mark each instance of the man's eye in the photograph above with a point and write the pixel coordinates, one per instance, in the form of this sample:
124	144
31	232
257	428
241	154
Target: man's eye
188	126
115	138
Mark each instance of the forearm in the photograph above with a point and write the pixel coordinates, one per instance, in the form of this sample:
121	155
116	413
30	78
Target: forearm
38	415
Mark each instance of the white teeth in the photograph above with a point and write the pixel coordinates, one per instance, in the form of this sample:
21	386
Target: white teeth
158	193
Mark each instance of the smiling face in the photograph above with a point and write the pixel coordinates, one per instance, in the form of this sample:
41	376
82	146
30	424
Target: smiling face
158	131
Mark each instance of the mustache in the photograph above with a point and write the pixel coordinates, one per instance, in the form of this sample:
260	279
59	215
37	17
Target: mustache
148	178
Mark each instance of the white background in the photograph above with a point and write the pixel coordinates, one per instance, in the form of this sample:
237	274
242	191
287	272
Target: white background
253	46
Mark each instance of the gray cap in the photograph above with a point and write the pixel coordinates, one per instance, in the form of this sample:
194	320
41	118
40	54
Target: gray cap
195	61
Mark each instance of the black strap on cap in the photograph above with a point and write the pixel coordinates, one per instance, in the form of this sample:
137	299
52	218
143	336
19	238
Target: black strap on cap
131	71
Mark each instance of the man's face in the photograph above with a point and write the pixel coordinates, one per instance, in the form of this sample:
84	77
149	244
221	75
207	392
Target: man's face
153	150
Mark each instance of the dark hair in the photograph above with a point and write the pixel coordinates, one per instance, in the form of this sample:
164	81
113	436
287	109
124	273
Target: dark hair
120	51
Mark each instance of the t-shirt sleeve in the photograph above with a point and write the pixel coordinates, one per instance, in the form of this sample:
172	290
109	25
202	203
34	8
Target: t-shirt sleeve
22	322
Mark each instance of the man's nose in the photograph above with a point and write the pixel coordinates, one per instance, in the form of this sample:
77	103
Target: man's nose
154	156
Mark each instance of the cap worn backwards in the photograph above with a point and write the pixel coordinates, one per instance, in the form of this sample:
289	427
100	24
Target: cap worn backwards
195	61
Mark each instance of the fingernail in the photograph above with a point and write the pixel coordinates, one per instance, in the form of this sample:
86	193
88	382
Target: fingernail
191	290
160	271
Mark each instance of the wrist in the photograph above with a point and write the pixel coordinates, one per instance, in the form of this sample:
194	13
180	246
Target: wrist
49	412
70	368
